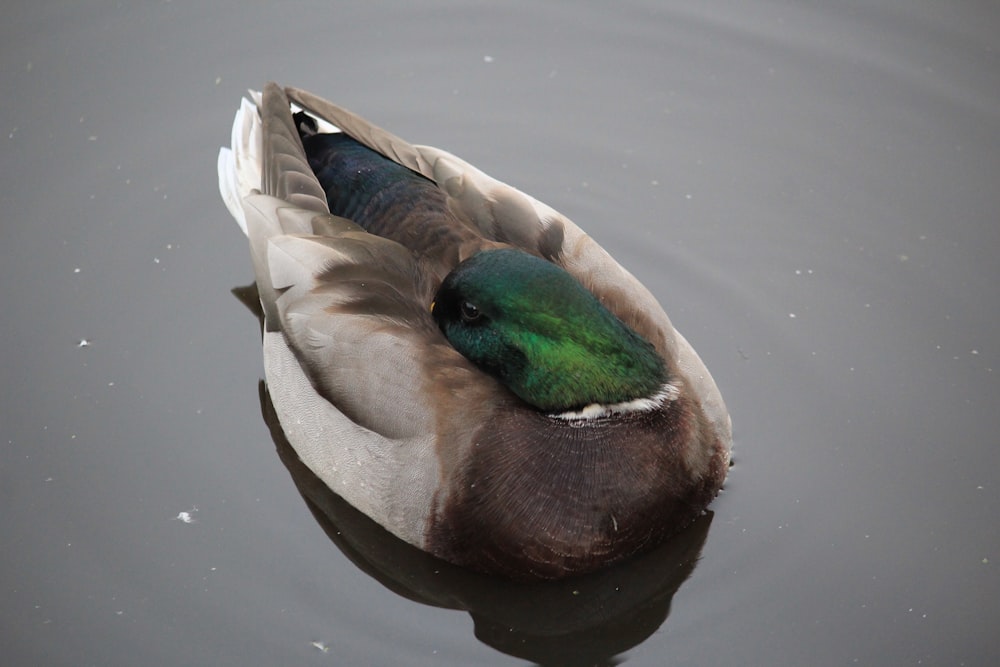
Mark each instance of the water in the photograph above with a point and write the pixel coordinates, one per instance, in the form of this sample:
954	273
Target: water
809	189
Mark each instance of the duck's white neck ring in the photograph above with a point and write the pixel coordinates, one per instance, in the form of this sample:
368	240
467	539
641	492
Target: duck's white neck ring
667	392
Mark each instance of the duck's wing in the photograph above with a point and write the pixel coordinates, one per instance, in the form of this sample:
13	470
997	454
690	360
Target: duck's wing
365	385
354	310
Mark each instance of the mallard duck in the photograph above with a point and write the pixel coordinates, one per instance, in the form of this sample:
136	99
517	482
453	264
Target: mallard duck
456	359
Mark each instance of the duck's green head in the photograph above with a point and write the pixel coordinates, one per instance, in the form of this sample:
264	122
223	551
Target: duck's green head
531	325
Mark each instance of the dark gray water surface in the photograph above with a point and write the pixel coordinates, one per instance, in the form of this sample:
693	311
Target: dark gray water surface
810	189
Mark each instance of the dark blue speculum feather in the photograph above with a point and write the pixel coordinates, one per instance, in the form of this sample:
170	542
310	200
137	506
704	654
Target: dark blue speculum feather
362	185
383	197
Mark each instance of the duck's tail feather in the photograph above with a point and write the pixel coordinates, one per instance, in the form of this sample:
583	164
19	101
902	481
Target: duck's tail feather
241	166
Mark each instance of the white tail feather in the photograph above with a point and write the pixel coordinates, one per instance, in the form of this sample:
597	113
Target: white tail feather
240	165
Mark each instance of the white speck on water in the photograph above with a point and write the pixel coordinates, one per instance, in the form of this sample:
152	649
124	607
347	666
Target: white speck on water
218	80
186	517
76	270
321	646
156	260
791	315
83	343
487	59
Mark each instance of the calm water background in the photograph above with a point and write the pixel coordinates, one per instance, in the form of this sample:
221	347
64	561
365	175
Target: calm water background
810	189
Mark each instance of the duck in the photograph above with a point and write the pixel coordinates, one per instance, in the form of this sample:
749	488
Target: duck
457	360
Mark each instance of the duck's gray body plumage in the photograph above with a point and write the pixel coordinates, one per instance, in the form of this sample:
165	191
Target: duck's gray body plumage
389	415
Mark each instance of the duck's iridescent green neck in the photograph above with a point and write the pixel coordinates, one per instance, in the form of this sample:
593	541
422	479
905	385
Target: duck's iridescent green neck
529	323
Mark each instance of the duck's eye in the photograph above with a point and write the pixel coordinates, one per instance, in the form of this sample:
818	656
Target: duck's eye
469	312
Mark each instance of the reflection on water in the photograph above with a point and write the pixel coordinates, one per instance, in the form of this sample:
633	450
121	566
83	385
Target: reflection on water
582	620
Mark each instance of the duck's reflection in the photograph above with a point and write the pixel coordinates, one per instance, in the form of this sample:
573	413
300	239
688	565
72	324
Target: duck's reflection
584	620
